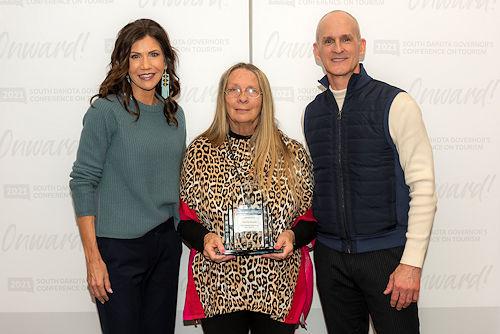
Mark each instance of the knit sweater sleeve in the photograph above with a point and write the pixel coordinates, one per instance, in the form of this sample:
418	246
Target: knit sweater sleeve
98	127
408	133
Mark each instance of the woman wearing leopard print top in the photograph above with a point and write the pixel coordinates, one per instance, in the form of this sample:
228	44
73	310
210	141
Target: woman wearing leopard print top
263	293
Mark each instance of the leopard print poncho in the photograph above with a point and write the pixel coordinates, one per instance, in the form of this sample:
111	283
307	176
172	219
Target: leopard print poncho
253	283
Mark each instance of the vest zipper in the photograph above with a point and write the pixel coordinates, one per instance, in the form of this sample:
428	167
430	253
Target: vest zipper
342	199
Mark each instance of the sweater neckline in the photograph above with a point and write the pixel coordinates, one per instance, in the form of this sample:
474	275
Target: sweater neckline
151	108
238	136
158	107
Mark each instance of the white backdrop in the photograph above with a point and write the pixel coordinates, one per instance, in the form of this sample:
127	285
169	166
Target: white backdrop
53	56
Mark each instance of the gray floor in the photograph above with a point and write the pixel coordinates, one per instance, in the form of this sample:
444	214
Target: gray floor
433	321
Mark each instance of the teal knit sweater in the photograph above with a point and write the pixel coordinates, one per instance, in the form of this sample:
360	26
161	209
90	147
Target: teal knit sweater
127	173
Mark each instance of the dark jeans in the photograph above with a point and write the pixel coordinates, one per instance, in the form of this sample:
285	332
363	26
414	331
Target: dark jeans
143	273
242	321
351	286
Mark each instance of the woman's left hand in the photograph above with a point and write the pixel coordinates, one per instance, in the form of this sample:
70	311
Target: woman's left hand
285	242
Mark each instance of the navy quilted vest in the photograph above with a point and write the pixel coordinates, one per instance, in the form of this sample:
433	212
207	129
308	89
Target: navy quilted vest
360	198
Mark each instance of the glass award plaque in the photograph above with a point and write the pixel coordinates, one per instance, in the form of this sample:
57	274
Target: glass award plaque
248	226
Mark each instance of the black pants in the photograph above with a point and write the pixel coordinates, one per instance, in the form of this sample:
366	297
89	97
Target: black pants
143	273
351	286
242	321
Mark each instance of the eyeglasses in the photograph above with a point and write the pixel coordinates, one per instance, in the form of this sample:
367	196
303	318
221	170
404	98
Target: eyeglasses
236	92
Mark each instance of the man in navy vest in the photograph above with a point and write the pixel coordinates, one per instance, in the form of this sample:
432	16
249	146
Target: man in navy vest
374	195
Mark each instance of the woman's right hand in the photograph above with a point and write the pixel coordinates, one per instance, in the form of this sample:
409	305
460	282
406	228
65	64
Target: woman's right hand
97	272
98	279
213	244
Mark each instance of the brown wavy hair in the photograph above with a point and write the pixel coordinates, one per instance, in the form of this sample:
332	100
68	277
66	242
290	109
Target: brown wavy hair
116	79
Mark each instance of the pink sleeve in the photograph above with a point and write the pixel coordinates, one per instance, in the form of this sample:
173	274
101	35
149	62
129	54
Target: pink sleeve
186	213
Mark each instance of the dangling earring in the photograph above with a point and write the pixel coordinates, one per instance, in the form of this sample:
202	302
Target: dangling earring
128	78
165	85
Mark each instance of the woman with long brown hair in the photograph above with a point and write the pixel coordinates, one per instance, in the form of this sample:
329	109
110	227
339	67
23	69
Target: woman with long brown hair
125	184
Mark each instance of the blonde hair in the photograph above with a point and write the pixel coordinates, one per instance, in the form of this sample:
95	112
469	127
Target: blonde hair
266	140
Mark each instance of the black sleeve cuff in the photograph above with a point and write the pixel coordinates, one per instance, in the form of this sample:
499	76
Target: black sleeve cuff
193	233
305	232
